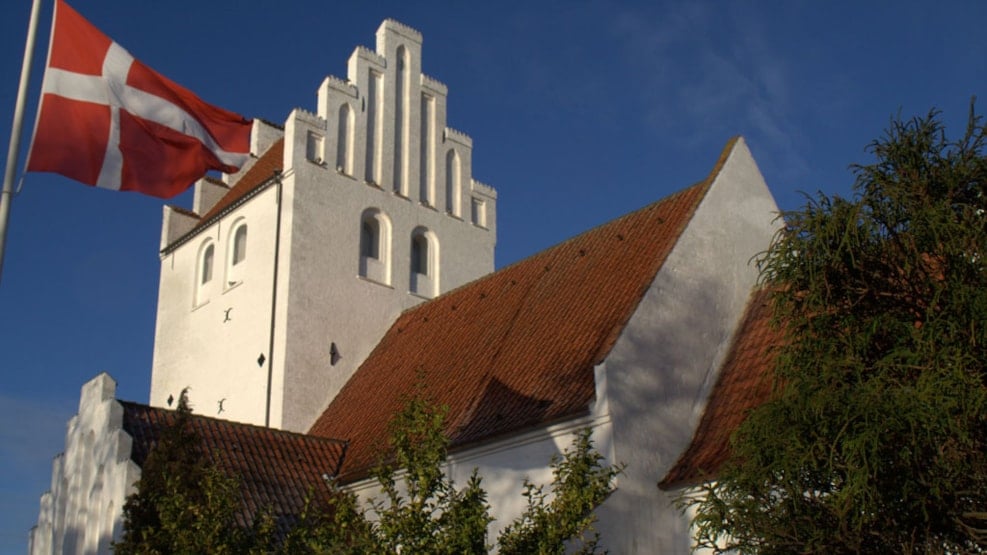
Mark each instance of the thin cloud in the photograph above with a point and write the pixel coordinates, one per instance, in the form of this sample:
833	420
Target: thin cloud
709	73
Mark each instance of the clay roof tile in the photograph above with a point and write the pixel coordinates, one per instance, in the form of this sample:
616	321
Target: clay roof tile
276	469
745	381
515	349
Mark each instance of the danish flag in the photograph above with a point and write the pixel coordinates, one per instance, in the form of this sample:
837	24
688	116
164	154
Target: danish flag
107	120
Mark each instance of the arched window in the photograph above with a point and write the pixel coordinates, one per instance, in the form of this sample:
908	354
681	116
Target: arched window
419	254
375	246
208	257
370	238
453	185
424	263
240	244
236	254
204	271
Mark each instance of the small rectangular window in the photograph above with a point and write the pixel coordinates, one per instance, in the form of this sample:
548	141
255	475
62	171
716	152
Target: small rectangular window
479	212
313	147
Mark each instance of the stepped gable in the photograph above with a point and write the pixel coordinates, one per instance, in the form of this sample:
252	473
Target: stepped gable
276	469
516	349
745	382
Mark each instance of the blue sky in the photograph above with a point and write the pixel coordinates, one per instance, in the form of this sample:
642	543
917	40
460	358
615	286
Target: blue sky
579	112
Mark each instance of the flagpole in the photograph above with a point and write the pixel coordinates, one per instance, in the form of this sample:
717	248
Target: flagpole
7	193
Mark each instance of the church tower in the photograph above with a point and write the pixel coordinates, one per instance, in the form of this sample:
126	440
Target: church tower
283	277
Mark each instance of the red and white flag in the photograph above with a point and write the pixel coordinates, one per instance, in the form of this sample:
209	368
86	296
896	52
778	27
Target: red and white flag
107	120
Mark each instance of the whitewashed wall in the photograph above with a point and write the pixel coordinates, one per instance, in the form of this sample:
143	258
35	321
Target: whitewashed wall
663	366
82	512
210	342
652	388
378	142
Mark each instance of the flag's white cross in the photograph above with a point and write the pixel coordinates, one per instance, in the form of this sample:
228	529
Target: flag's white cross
111	89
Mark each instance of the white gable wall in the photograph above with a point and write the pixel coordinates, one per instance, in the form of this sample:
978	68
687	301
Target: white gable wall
652	388
662	367
82	512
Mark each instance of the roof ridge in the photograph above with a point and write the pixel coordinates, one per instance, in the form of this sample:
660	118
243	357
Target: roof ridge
519	345
704	183
256	178
233	423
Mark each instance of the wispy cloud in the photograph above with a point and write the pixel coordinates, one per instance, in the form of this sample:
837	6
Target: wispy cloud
708	72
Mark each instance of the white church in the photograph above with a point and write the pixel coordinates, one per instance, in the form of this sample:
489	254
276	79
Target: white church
302	298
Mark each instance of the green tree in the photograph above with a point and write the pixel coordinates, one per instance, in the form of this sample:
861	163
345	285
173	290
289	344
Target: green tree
423	512
183	503
563	522
876	438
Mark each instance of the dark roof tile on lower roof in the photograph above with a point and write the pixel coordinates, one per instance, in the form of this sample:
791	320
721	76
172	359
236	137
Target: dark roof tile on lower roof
515	349
746	380
276	469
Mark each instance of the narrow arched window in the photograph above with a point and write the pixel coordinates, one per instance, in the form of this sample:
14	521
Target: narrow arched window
423	277
208	257
370	238
402	121
236	254
240	244
204	268
419	254
375	246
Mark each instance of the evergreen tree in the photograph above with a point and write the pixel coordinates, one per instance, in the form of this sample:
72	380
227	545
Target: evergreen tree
876	438
183	503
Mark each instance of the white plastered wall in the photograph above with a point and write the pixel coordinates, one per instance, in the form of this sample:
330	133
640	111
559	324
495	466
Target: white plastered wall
321	300
211	342
82	512
505	464
325	299
652	388
662	367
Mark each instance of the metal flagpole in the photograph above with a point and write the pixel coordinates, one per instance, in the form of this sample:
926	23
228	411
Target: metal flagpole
15	132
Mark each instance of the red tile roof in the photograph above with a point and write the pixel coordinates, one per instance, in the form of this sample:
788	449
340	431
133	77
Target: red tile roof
183	211
263	169
517	348
745	381
276	469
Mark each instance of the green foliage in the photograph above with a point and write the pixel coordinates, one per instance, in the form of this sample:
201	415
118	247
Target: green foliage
183	504
422	512
581	482
338	528
875	442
